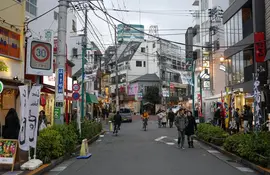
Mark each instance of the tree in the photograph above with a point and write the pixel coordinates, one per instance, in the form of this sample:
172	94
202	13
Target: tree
152	95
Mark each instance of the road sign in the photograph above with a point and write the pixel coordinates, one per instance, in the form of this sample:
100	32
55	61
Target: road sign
57	113
76	87
39	57
75	96
1	87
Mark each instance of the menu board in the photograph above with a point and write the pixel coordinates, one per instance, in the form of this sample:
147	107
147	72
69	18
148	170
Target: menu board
8	150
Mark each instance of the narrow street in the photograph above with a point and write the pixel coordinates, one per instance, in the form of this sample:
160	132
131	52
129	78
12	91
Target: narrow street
136	152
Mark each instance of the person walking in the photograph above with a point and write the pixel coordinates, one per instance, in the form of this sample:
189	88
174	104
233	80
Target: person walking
190	129
117	119
246	118
181	123
171	117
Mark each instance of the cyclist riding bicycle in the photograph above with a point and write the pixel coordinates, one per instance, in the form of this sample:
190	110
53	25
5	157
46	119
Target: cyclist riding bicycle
117	120
145	117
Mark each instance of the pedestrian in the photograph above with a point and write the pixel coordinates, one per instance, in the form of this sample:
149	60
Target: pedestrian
217	116
181	123
190	129
171	117
236	117
117	120
42	121
246	118
12	125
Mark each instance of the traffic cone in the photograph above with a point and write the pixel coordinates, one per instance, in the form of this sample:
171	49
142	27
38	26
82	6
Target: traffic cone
84	152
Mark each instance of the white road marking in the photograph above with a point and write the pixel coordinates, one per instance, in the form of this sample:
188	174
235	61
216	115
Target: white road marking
99	140
245	169
13	173
160	138
101	136
59	168
176	140
170	143
213	151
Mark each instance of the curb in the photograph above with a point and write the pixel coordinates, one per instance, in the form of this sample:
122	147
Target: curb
54	163
257	168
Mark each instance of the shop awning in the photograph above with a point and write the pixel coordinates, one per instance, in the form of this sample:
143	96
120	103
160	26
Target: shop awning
91	98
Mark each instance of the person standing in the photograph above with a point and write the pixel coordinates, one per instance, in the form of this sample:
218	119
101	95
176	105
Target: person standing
181	123
12	125
171	117
190	129
250	118
236	117
245	118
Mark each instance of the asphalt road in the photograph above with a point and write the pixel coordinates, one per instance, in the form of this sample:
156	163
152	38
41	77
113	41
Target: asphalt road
135	152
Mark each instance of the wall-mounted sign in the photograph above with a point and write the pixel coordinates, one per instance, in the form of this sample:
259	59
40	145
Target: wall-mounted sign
9	43
39	58
3	67
1	87
259	46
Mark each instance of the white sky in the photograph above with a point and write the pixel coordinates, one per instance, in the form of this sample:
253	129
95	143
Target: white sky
167	14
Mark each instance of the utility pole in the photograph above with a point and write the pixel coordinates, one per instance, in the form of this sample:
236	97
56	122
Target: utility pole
84	48
61	62
116	70
211	48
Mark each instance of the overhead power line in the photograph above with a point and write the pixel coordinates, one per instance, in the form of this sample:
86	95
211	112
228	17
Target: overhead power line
166	40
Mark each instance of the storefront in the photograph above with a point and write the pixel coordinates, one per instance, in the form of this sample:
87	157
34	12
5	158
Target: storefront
11	66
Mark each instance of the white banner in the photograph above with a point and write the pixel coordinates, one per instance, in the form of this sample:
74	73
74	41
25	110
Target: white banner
34	100
23	141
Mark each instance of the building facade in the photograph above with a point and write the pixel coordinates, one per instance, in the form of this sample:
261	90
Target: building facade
243	20
12	56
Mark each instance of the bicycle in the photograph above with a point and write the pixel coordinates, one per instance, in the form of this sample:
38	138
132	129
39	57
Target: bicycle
145	124
116	128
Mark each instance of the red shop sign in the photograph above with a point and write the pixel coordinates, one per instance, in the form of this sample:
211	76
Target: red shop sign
259	46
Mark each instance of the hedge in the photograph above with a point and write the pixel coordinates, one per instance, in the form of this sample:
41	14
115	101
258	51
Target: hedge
212	134
254	147
56	141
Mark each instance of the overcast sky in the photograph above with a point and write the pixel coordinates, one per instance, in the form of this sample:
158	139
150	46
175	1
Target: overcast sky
167	14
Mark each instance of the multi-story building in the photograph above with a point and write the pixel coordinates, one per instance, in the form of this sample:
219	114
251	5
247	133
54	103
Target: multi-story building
267	58
136	59
245	26
209	36
12	57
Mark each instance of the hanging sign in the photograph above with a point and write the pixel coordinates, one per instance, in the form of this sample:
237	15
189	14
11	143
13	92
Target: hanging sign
39	58
259	46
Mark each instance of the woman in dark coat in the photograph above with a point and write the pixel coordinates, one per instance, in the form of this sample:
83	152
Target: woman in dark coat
190	129
12	125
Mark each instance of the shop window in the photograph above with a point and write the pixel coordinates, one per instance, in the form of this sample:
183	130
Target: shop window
143	49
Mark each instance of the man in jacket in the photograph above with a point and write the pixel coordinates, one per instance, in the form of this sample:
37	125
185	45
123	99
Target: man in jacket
117	119
181	123
171	117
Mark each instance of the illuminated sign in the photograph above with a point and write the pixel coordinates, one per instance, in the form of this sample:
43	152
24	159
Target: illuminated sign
9	43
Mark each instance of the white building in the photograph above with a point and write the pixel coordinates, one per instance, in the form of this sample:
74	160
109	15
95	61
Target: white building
201	38
136	59
49	21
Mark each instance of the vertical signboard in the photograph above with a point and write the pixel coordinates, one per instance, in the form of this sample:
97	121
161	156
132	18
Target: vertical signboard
259	46
60	85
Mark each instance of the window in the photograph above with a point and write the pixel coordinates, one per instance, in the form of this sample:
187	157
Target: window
55	15
143	49
138	64
74	28
154	45
31	7
144	64
75	52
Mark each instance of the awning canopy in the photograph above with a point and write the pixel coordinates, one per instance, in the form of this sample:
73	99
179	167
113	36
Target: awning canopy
91	98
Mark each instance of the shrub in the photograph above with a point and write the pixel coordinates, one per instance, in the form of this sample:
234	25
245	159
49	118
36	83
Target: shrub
49	145
69	136
90	129
254	147
212	134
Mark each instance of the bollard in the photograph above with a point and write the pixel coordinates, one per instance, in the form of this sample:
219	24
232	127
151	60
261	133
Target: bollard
111	125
